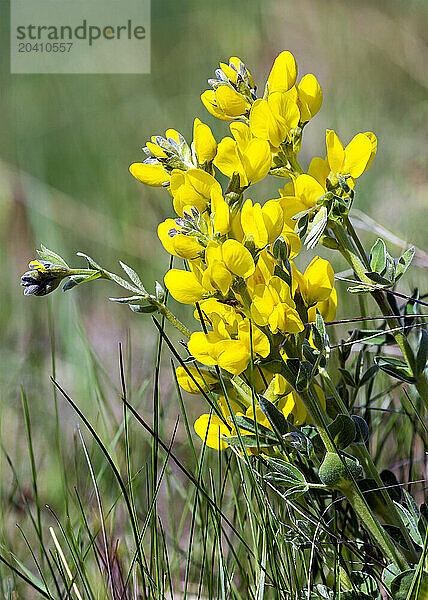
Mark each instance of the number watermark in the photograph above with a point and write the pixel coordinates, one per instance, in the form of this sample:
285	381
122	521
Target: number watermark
75	36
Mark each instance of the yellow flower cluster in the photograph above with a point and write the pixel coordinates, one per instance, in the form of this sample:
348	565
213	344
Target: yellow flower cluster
238	254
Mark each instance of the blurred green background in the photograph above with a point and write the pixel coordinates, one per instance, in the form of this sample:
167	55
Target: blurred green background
67	142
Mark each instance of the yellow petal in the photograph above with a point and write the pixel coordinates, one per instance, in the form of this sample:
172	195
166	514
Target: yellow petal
257	160
319	169
230	102
236	62
283	105
273	217
227	160
357	154
184	246
242	134
373	140
310	97
318	281
210	428
173	134
237	258
196	380
183	286
335	151
308	190
283	73
217	277
154	175
253	224
264	125
209	101
202	347
232	355
155	150
220	212
205	144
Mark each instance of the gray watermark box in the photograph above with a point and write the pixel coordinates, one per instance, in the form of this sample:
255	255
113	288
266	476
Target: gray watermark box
75	36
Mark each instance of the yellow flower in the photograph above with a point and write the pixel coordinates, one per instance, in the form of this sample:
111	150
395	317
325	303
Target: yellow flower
305	193
192	188
184	286
246	155
210	428
204	143
309	97
228	344
273	305
283	74
273	118
233	91
177	243
262	224
196	380
225	103
327	308
353	160
317	282
150	174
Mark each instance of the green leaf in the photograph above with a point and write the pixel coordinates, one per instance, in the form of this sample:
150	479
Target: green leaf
347	377
285	474
51	256
378	256
404	586
378	278
249	441
78	279
360	289
422	356
410	517
395	368
133	276
127	299
249	425
368	375
150	308
361	430
304	376
342	431
403	262
275	417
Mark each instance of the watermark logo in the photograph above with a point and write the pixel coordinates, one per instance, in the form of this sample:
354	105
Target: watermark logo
75	36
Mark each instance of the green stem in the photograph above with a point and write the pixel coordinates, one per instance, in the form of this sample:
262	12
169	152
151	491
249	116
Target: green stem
164	310
352	491
372	525
361	452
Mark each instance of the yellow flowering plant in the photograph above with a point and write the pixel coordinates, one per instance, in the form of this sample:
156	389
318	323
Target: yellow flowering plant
258	350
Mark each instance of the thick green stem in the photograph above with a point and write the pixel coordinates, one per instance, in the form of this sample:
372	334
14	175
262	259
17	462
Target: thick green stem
352	491
374	528
361	452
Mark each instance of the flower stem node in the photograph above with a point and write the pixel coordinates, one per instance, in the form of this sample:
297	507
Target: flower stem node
337	472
